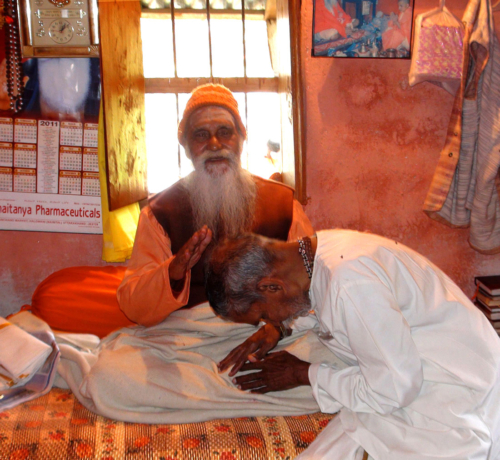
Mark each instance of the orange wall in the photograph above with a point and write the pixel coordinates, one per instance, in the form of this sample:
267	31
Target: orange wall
373	144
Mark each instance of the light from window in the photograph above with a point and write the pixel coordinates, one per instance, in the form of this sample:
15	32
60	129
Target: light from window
193	59
167	162
157	34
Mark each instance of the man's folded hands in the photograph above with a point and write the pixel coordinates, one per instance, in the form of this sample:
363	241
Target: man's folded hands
276	372
253	349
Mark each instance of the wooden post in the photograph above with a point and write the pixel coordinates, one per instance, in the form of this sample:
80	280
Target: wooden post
123	97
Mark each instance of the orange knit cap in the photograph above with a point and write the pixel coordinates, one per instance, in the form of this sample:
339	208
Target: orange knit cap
210	94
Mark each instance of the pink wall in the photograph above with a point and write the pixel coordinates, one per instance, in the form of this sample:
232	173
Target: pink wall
373	144
29	257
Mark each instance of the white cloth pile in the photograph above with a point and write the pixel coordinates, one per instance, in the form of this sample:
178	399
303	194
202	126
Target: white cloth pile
168	373
21	355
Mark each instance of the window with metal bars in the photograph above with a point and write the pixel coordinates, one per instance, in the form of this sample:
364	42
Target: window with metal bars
186	43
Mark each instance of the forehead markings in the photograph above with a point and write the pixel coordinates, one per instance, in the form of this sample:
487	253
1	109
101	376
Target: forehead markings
210	115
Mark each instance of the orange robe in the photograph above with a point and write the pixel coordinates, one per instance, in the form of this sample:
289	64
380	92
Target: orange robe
145	295
395	35
325	20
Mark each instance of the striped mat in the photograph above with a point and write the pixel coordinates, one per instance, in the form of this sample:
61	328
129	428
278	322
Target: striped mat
56	427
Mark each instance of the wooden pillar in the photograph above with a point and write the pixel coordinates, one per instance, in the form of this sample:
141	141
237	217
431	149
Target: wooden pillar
123	98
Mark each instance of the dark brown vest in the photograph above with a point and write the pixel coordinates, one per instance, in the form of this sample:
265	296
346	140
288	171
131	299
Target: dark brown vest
172	209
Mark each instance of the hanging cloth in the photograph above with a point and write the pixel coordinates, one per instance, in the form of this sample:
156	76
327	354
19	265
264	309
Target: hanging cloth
465	188
438	49
119	226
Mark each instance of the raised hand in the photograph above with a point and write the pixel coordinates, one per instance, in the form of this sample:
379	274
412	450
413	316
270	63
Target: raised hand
189	254
253	349
277	372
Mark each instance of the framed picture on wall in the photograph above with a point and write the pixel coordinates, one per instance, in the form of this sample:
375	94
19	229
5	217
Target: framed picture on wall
362	28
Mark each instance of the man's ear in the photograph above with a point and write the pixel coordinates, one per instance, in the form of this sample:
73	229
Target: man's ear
271	285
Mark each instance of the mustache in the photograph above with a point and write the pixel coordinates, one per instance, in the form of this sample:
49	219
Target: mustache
220	154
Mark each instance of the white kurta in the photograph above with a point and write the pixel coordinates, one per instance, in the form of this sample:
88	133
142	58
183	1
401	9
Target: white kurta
423	380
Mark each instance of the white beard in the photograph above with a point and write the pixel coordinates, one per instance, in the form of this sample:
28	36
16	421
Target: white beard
302	306
222	197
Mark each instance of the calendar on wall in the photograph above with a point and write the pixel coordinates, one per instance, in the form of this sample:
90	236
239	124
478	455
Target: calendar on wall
49	169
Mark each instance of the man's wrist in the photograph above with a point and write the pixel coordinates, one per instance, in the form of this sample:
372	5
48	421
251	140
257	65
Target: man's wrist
284	331
177	285
304	374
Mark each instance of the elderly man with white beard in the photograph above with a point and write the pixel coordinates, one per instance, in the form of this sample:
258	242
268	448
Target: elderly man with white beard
219	199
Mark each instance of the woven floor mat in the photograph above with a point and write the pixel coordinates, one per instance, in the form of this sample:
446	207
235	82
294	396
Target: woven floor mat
57	427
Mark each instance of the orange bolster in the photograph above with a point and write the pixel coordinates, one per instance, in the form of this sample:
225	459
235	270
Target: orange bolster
81	299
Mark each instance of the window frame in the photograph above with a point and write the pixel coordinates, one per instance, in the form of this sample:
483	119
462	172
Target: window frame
123	81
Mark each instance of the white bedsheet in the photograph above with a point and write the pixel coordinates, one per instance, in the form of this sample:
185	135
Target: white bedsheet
168	373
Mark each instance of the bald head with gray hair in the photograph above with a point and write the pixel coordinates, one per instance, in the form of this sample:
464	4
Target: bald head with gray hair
235	268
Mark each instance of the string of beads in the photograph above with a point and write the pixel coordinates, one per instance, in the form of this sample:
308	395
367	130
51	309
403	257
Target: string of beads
305	250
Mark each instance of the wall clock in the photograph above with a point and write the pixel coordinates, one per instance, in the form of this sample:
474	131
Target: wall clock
59	28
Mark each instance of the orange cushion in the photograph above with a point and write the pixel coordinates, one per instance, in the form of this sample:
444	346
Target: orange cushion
81	299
